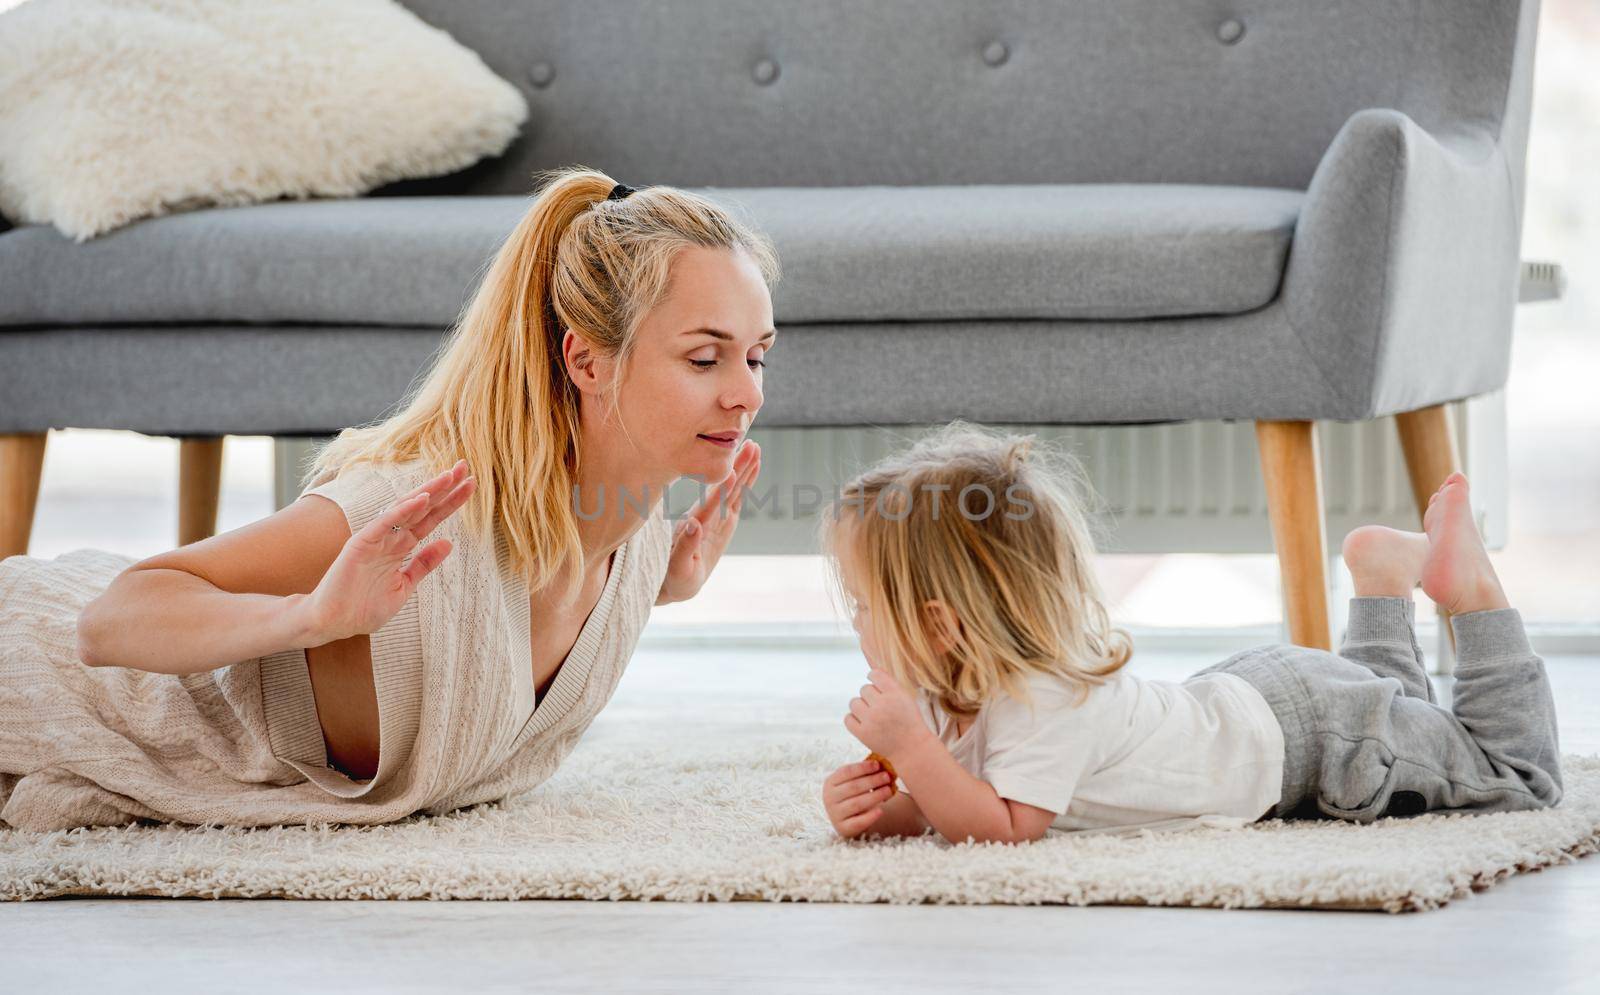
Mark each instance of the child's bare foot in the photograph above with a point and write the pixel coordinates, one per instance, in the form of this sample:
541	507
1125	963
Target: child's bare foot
1384	562
1457	574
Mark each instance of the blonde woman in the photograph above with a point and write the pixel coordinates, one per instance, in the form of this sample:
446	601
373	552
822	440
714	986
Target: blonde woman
445	609
999	697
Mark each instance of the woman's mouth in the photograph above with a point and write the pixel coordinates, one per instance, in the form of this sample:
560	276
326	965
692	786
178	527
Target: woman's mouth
726	440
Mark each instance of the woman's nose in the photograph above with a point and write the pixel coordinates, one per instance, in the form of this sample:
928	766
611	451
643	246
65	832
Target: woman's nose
746	392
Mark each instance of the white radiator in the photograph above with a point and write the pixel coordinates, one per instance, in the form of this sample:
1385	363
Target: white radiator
1181	488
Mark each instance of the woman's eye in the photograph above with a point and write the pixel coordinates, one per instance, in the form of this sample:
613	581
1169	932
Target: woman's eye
706	364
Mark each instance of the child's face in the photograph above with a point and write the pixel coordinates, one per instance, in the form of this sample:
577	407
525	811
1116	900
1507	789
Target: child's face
860	620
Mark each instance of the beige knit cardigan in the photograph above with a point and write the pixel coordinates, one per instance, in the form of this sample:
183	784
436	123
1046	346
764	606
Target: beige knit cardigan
241	745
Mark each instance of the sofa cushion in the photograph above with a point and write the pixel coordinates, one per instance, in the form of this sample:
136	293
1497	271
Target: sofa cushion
847	254
114	110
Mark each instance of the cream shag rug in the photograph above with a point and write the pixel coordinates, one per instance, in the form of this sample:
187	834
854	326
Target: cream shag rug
641	812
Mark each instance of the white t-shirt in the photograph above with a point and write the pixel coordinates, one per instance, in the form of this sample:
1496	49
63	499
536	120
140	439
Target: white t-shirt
1137	754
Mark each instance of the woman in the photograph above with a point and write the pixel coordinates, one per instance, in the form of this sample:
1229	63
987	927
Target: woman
327	664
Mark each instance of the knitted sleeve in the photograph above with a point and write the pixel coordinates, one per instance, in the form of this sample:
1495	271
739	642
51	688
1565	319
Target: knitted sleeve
363	491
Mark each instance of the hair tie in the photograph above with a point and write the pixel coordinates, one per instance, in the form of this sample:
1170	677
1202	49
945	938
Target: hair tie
619	191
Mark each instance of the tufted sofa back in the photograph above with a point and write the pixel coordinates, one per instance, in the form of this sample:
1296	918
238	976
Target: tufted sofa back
850	92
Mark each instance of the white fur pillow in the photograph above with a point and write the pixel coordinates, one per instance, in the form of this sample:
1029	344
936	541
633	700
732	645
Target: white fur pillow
114	110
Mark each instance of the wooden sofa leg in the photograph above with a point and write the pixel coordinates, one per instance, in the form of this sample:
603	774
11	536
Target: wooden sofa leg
1428	439
1291	468
21	466
199	488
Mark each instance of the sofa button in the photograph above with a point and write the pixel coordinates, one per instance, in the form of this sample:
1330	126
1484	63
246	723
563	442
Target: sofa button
541	74
766	71
995	53
1230	31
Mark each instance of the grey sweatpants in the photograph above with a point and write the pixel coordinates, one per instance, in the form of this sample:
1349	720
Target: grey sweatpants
1364	737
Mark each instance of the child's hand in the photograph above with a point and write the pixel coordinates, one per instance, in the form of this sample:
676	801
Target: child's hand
884	718
854	795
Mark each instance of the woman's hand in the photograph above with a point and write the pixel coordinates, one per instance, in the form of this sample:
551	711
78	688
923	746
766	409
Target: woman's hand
371	579
703	533
885	719
853	796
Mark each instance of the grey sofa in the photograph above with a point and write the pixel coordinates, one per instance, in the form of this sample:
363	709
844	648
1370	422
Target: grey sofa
1052	211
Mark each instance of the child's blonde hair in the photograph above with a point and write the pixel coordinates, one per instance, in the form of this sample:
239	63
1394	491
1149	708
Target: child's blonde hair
990	524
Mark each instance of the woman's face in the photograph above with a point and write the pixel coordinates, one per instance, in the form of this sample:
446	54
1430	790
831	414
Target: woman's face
693	385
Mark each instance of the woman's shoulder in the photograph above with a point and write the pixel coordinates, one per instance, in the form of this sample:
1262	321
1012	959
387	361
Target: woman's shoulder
368	486
366	471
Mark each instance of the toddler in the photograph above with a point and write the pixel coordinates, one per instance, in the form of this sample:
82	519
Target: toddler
1000	697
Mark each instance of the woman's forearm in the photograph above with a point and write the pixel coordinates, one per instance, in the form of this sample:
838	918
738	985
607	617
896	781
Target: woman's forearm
172	622
954	802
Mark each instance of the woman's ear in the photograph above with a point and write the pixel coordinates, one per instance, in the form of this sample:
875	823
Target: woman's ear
586	367
944	629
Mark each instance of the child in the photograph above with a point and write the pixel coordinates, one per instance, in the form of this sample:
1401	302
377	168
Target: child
998	692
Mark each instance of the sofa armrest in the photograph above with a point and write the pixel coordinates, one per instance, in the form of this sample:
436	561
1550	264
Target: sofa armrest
1402	276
